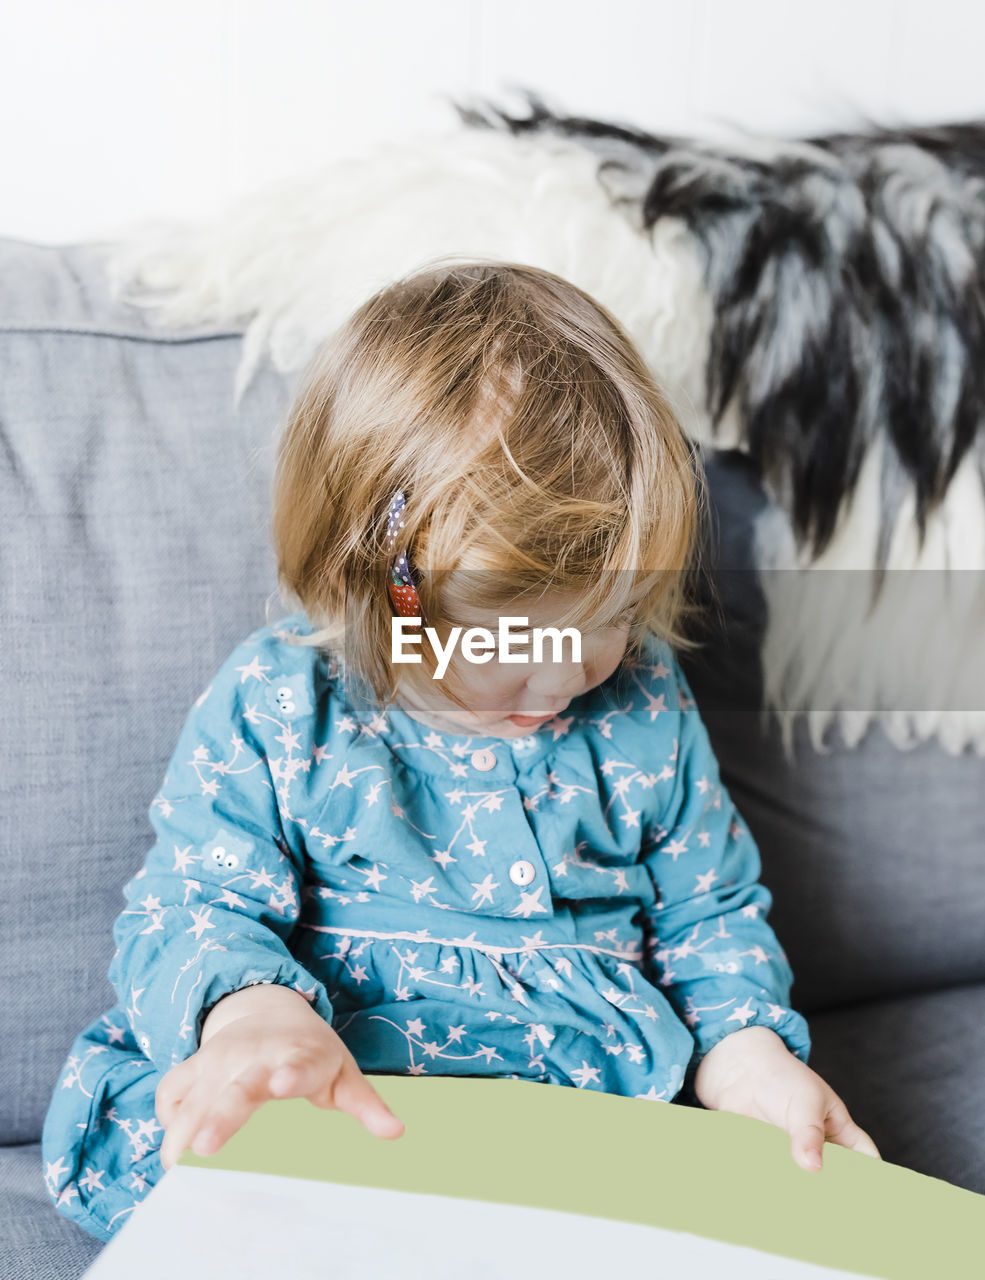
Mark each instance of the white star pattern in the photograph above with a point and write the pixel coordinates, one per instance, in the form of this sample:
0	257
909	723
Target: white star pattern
743	1014
529	903
484	890
585	1075
253	671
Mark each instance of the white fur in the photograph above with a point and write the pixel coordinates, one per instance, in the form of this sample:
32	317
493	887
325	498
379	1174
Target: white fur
292	261
912	662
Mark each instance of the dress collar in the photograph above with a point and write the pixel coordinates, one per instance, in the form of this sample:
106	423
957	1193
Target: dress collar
470	757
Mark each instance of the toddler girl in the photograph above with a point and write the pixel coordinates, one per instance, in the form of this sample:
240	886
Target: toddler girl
505	856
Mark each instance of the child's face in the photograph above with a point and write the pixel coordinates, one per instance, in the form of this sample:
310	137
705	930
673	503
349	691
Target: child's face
508	699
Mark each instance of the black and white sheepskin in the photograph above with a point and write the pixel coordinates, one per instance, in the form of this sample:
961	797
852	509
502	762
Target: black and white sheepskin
816	303
847	277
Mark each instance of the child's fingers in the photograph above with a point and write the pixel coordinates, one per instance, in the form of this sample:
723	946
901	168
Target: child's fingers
305	1073
172	1088
353	1094
327	1083
864	1144
186	1123
166	1107
178	1136
230	1110
192	1116
805	1125
300	1074
843	1131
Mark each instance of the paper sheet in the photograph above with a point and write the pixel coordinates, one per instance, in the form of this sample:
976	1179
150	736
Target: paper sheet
200	1224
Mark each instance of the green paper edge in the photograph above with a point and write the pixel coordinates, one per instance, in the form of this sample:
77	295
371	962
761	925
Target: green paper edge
711	1174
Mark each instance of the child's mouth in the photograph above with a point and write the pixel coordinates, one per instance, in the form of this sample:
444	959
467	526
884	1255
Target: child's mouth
527	722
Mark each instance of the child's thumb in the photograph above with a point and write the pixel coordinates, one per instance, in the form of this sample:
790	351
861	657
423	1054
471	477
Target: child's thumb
356	1096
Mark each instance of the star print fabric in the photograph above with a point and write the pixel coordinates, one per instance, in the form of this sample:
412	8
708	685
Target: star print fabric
579	907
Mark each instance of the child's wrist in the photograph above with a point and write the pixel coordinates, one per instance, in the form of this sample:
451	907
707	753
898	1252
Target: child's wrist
732	1058
261	998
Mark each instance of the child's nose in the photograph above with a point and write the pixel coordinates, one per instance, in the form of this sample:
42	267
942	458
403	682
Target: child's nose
557	681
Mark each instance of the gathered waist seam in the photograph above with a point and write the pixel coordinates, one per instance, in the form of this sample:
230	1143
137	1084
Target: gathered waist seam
422	936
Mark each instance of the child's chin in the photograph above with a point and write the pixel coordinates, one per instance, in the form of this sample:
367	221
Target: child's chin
503	729
518	731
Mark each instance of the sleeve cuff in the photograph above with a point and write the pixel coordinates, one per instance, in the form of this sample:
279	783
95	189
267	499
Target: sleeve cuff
756	1011
166	1017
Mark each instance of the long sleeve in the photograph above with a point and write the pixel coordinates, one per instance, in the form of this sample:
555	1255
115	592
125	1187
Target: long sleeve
709	947
212	909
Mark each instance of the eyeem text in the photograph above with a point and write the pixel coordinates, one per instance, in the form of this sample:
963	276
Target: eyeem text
479	644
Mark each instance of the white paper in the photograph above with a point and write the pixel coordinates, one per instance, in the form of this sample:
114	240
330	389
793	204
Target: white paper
204	1224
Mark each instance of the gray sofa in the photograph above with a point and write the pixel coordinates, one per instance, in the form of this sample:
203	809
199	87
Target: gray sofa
135	556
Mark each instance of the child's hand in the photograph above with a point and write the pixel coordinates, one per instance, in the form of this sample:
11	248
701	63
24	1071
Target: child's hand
753	1073
280	1050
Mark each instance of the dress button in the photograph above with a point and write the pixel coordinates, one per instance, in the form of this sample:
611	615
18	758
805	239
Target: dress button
522	872
483	759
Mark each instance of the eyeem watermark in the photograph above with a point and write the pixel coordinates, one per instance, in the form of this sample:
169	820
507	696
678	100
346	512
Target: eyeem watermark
479	644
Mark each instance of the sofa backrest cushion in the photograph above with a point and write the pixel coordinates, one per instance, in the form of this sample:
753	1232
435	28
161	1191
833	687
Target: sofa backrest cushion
135	556
874	855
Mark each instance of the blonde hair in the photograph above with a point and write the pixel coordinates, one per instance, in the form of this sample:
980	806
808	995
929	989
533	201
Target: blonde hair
536	451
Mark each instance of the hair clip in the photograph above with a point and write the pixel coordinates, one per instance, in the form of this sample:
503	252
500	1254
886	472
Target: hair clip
403	591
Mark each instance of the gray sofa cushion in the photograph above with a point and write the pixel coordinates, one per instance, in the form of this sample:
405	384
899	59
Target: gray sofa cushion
135	556
36	1243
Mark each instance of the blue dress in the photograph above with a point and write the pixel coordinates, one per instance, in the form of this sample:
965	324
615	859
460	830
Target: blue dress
578	906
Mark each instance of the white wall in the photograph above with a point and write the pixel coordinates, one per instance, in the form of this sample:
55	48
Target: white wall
112	110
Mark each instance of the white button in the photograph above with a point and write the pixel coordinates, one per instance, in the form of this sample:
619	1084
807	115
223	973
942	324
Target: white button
484	759
522	872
